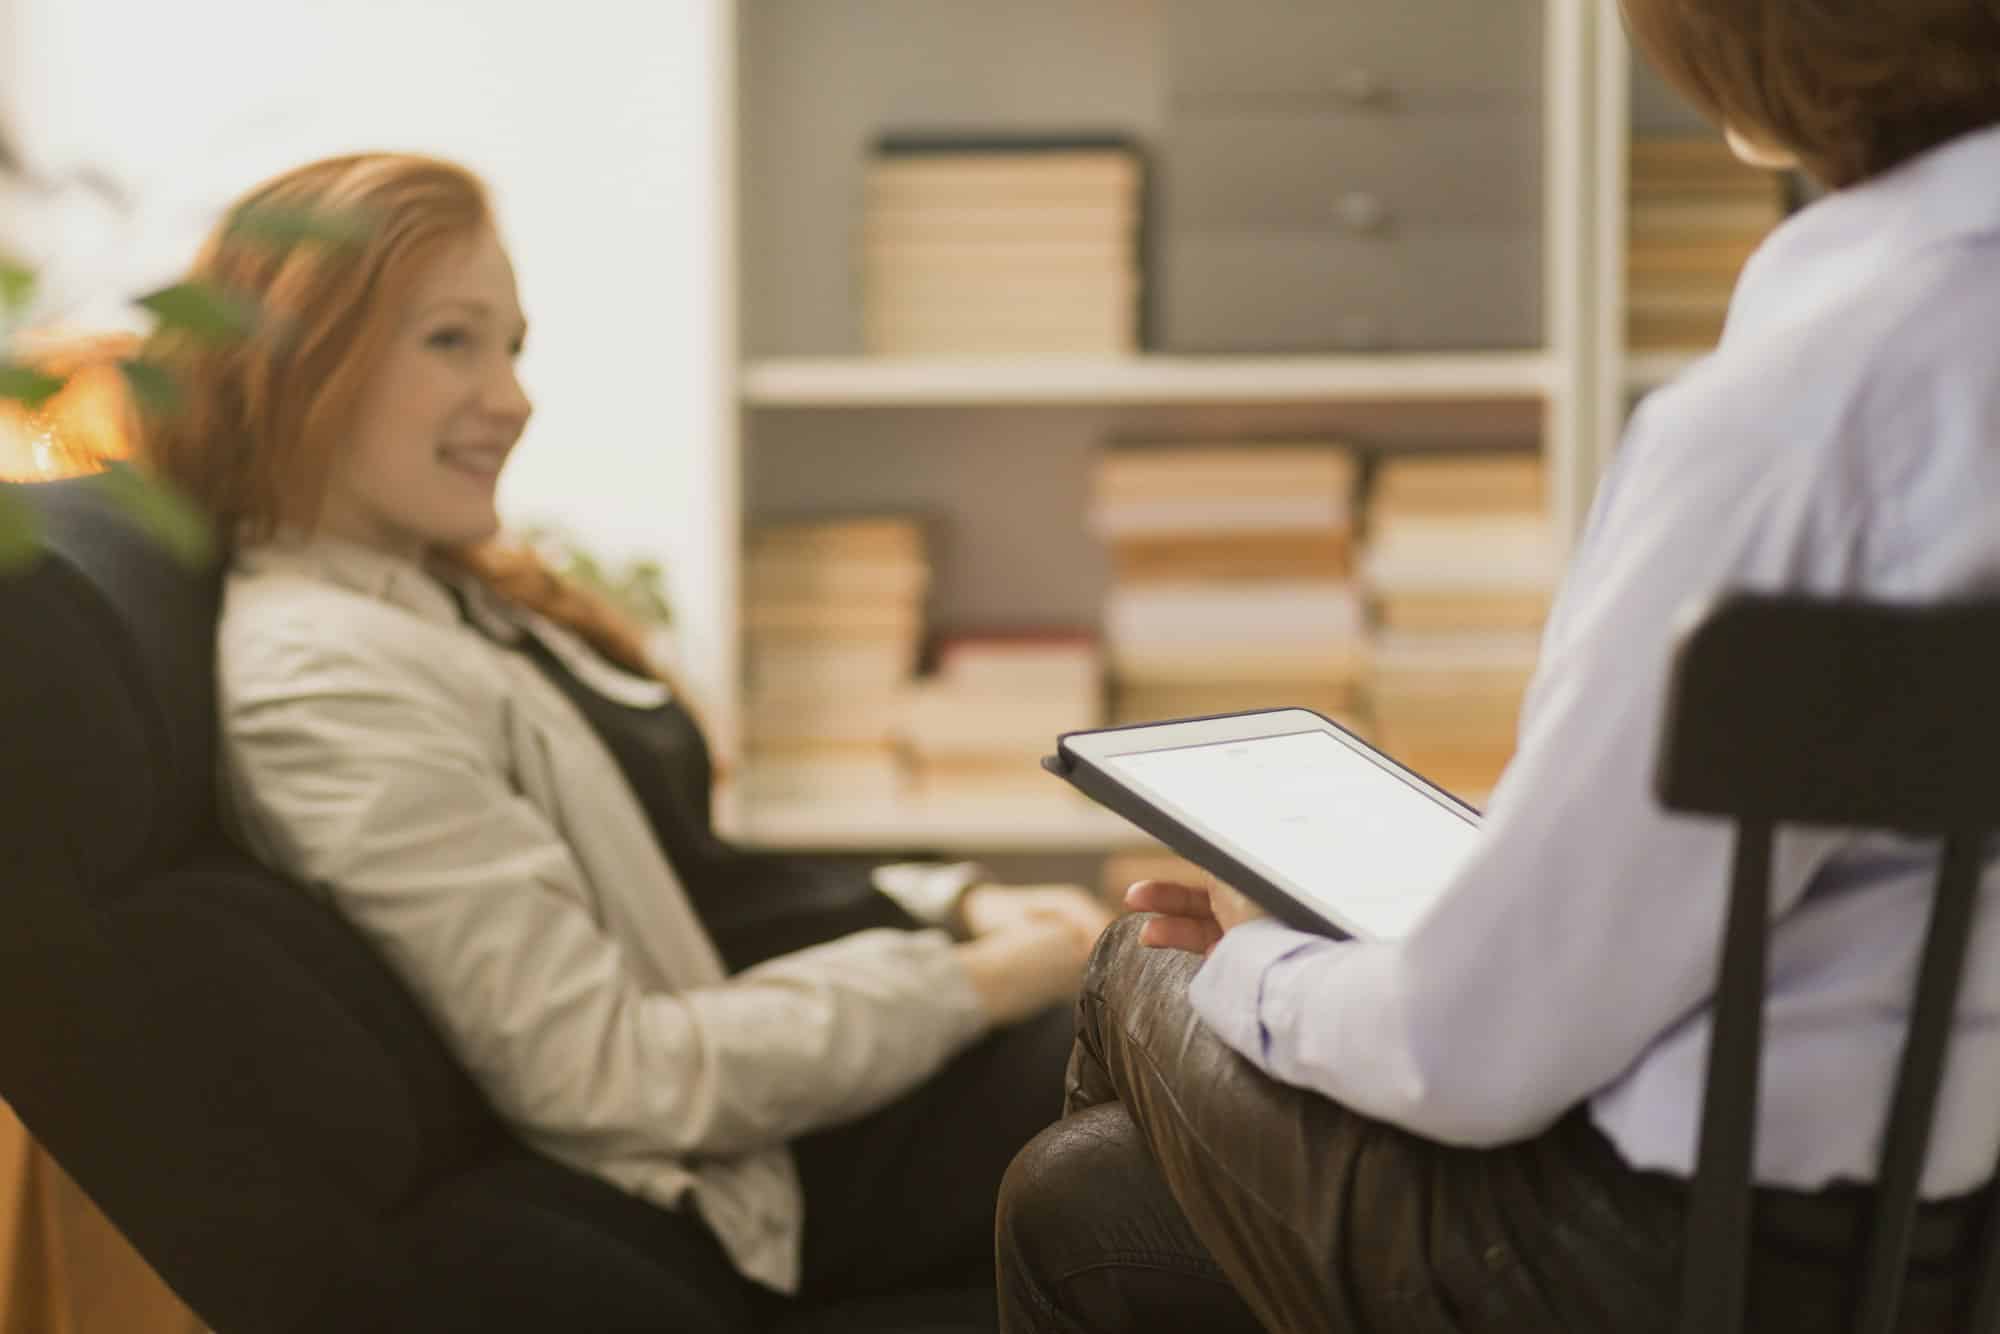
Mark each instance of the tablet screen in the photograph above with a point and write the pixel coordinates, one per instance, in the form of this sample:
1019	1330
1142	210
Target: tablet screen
1344	833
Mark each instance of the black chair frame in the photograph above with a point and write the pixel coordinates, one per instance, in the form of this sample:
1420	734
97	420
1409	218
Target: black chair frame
1786	710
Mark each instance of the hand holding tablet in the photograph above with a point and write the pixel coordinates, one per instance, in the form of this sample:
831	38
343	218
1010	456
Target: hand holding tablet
1187	916
1316	826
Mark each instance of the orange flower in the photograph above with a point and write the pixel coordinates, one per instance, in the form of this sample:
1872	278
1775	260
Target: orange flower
75	432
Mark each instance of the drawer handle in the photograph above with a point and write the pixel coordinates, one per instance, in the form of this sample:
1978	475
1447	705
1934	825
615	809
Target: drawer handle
1359	87
1361	213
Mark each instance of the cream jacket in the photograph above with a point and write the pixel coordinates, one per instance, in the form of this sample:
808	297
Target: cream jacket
455	807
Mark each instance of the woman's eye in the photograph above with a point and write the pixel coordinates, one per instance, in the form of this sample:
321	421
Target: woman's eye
448	339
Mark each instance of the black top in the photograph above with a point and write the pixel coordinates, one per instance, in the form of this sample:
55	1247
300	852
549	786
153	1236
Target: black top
755	905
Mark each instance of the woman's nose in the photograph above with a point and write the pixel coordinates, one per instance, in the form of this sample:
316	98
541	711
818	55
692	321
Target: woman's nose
506	398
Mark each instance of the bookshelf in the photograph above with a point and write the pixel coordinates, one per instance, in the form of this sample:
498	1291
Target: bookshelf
1630	101
806	382
1004	447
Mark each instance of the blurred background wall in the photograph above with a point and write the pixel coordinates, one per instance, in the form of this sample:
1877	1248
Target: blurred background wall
597	122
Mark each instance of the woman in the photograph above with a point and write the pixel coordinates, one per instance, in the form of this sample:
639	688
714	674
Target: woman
477	766
1489	1124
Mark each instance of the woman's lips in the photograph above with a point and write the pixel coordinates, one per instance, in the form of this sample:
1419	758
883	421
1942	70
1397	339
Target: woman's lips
477	461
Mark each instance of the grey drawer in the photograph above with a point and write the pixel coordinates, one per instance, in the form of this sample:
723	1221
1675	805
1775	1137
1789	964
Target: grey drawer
1351	50
1354	171
1282	290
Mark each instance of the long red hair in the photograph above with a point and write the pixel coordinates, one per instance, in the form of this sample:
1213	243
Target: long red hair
252	430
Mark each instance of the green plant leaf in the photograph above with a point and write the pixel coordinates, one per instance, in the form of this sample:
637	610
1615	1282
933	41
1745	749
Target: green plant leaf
17	287
164	515
27	386
153	387
20	534
281	225
202	310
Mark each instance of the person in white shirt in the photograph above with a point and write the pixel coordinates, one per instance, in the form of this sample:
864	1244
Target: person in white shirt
476	764
1488	1124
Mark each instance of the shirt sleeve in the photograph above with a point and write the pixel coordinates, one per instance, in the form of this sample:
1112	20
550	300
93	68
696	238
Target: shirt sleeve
1585	923
375	785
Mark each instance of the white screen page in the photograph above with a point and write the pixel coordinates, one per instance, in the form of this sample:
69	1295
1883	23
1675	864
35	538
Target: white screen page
1312	814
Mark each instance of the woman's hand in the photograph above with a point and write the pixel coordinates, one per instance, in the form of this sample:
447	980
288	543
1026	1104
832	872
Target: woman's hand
1029	945
1191	918
986	909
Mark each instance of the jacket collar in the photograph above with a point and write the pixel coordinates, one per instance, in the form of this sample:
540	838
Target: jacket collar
366	570
437	595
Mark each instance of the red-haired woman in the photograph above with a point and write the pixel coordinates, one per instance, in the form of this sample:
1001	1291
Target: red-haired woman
476	764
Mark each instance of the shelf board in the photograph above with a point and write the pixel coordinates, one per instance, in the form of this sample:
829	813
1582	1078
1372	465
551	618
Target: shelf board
1024	824
887	382
1646	371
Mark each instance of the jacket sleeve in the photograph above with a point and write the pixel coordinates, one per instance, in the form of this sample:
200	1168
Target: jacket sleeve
368	777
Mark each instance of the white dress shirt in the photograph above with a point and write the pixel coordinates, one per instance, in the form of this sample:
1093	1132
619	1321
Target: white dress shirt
1843	440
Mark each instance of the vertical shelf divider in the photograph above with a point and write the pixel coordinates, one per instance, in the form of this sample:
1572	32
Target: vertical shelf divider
1613	65
1569	241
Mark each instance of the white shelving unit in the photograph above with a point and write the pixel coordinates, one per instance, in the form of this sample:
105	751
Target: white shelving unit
807	382
809	423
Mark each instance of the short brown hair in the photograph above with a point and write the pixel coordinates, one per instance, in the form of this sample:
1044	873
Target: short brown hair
1853	87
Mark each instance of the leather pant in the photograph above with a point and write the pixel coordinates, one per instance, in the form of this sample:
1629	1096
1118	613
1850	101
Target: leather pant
1185	1189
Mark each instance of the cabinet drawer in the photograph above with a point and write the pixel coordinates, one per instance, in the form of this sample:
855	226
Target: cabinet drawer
1360	172
1286	290
1356	51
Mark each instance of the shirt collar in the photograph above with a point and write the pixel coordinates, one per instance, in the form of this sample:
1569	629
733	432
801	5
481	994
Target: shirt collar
1851	238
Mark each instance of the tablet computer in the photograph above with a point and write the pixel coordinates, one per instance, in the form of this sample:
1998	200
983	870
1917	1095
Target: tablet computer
1318	827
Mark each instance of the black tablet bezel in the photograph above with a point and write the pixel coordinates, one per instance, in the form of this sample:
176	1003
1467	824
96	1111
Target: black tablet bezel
1083	768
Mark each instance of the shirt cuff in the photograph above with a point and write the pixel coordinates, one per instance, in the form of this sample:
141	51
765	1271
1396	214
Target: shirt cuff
1228	992
928	891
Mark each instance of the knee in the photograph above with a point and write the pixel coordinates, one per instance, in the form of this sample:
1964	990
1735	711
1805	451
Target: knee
1056	1185
1123	967
1118	954
1117	942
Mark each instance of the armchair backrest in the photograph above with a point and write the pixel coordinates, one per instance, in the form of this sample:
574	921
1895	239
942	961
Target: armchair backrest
215	1057
1791	710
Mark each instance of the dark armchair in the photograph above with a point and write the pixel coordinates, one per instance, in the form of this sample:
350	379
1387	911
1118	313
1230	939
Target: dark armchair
215	1057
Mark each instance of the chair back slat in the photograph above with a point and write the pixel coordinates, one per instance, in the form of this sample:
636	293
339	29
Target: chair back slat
1837	713
1790	710
1715	1272
1915	1099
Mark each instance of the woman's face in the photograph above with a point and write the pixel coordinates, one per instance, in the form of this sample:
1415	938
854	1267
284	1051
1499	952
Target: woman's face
436	422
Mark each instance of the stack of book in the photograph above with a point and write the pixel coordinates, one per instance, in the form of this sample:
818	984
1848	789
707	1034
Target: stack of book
833	623
1232	579
978	727
1000	248
1461	564
1696	215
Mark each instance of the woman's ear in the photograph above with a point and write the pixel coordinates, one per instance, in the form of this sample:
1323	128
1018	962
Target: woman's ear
1757	153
